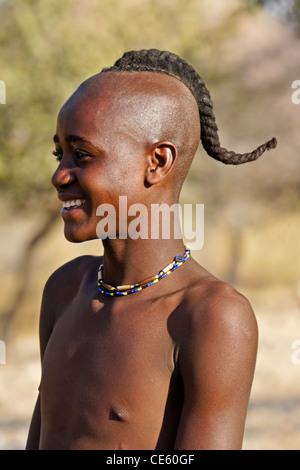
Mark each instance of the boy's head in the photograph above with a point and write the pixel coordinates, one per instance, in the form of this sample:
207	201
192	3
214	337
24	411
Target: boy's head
133	130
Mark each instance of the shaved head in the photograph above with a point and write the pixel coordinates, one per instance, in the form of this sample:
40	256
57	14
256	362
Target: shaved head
149	108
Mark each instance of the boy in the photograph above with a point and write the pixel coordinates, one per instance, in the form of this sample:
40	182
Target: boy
132	359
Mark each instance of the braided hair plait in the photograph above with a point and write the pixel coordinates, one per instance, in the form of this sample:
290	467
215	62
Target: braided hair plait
167	63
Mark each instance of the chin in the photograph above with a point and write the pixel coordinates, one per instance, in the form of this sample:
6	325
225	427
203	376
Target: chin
79	236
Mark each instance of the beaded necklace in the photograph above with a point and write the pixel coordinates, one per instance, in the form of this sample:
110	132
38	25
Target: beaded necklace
106	289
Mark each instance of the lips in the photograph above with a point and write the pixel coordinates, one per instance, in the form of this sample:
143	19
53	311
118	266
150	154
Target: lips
73	204
70	200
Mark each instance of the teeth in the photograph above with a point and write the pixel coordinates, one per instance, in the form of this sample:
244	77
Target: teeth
73	203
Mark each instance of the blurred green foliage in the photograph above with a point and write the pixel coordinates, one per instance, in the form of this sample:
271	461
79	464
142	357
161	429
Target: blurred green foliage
49	47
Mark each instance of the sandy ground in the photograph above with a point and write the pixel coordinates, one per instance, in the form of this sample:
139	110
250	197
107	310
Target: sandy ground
273	421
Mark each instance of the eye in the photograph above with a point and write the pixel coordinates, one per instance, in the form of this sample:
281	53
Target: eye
58	154
81	155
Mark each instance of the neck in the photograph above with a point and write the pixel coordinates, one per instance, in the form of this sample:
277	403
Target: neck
131	261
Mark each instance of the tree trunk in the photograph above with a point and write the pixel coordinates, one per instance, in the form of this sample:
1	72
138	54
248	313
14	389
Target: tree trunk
25	270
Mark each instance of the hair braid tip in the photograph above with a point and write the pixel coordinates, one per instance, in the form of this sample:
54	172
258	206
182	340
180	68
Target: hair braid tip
272	144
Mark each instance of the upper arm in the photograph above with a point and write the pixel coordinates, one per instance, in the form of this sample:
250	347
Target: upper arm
52	303
217	365
47	315
59	291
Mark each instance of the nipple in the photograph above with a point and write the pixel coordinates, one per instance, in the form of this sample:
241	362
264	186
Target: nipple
118	414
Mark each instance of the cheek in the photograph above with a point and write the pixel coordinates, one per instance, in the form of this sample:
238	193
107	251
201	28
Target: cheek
108	184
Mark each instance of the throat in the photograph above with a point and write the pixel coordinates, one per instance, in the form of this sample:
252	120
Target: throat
123	290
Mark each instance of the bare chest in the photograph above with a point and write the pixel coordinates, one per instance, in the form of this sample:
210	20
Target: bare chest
103	366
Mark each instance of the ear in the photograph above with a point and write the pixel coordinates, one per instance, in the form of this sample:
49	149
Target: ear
161	159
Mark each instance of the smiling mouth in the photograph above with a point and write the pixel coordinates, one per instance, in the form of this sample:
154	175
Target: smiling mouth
73	204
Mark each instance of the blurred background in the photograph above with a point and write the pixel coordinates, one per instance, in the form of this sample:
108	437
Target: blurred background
248	53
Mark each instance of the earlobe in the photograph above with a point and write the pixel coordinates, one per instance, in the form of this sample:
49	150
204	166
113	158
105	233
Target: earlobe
161	160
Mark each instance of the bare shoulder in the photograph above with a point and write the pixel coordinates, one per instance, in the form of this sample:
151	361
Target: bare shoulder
215	315
69	276
60	289
218	306
66	280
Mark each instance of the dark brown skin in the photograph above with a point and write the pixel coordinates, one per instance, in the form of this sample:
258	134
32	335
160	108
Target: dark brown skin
170	367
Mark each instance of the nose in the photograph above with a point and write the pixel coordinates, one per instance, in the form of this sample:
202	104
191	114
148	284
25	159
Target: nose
63	175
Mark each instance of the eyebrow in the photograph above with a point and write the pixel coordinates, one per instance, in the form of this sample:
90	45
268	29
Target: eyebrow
77	138
73	138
